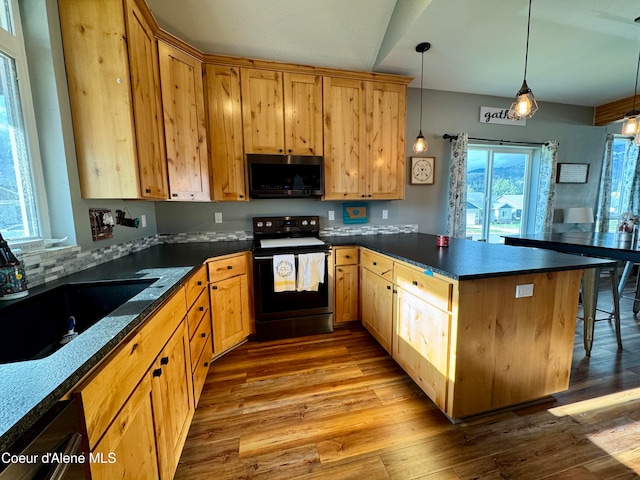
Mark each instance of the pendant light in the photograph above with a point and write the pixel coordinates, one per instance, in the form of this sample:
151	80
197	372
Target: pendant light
524	104
420	145
631	118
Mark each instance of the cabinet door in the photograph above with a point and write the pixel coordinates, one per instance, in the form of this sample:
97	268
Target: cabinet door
421	344
344	137
147	109
303	114
128	447
346	293
173	399
262	111
377	307
229	312
185	134
386	112
97	66
225	133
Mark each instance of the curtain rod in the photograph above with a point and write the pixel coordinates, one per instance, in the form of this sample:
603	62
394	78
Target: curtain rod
446	136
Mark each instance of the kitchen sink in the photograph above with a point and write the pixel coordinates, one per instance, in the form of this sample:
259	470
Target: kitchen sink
37	326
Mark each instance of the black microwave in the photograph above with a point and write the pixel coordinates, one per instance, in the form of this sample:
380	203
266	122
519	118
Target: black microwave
285	176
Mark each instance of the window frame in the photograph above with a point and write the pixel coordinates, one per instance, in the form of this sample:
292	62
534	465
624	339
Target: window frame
13	45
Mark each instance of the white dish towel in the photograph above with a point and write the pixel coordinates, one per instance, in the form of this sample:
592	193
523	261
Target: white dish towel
284	273
310	271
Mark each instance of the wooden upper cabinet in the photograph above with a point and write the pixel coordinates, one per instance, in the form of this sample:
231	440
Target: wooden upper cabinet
385	144
282	112
262	111
344	134
184	124
114	99
147	106
364	136
224	127
302	114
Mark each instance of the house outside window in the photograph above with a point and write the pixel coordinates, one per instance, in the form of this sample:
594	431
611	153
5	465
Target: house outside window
21	210
498	180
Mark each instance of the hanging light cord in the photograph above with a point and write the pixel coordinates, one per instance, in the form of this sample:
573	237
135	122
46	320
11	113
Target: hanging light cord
635	90
421	78
526	52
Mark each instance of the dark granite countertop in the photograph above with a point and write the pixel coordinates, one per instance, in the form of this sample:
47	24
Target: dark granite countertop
29	389
466	259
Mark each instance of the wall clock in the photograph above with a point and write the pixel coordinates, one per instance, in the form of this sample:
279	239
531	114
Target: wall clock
422	170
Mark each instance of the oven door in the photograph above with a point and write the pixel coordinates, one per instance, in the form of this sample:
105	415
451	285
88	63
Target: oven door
288	314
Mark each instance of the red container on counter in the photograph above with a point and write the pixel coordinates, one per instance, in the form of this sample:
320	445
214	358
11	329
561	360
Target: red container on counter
442	240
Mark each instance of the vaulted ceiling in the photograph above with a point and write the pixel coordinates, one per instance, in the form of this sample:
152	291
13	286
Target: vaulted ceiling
581	52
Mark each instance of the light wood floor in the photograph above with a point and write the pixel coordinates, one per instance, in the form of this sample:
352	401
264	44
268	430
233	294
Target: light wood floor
336	406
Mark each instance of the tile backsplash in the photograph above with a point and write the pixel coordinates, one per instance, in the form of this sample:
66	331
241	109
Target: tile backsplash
51	264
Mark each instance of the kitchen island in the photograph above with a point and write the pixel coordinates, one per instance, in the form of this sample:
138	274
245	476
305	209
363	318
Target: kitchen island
483	276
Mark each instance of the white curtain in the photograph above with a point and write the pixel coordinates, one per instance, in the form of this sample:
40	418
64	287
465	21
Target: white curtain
546	187
457	204
604	195
630	188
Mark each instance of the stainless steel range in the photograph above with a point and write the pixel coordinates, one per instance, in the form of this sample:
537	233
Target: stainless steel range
292	291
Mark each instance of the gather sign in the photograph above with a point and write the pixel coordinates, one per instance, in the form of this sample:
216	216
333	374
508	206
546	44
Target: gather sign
499	115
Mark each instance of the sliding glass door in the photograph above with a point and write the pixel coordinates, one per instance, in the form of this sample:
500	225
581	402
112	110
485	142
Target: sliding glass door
497	191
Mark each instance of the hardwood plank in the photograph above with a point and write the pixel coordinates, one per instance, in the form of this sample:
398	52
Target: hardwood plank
369	468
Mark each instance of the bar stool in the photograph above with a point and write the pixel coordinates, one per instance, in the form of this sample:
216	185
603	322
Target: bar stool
589	295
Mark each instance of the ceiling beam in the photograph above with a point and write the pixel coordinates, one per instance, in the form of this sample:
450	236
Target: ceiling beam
613	111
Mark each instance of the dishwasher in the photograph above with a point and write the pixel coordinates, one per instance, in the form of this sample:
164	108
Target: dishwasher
51	449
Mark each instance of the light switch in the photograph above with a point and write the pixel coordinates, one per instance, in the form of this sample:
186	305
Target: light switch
332	215
385	214
217	217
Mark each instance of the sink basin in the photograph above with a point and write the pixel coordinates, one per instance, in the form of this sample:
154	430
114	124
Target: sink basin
34	327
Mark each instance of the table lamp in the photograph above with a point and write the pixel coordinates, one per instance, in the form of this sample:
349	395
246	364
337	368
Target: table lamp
577	216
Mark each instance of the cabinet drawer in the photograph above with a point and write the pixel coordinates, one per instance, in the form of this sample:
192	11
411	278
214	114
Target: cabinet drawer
346	256
200	371
107	389
379	264
199	340
198	310
196	284
430	289
227	267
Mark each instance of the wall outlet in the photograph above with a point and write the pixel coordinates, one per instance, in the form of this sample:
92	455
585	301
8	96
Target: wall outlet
385	214
217	217
332	215
525	290
143	221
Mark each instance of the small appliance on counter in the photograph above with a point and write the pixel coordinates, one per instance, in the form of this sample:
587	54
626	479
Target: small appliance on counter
13	281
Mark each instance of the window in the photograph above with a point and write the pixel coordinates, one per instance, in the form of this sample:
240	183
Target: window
497	191
620	146
20	171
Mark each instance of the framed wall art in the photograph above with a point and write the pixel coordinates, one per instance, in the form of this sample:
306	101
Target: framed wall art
422	170
572	173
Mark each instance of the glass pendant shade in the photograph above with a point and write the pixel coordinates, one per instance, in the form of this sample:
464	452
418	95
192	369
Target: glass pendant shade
524	104
420	145
631	125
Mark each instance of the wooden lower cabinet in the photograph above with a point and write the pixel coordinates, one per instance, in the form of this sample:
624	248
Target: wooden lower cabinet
138	404
346	285
231	313
173	405
470	345
376	294
421	344
128	449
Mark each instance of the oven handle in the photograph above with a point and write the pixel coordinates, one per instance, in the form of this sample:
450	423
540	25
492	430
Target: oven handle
270	257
